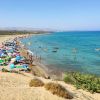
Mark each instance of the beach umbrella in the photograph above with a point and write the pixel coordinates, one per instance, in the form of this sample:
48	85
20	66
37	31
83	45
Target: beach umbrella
14	54
4	51
10	54
1	54
10	50
1	61
12	66
17	54
7	48
18	58
13	60
25	66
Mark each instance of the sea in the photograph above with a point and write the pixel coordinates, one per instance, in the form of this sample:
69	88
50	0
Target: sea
77	51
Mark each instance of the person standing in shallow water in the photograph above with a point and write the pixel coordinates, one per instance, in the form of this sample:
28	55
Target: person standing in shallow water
31	59
74	51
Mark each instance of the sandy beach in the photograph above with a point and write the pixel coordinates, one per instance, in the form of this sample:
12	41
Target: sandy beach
14	86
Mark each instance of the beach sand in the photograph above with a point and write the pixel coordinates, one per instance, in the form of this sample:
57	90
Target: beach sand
6	37
16	87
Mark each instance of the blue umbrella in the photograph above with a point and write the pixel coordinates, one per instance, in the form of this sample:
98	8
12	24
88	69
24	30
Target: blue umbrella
18	58
10	51
12	66
25	66
1	53
4	51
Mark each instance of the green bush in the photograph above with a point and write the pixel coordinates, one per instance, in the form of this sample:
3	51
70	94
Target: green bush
36	83
4	70
83	81
58	90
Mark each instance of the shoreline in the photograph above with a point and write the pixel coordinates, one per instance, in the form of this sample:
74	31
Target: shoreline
53	73
38	68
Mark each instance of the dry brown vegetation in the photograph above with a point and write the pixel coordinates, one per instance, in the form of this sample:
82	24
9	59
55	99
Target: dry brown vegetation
58	90
36	83
4	70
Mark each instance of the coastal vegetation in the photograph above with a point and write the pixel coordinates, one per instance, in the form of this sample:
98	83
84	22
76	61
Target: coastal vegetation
15	32
83	81
36	83
5	70
58	90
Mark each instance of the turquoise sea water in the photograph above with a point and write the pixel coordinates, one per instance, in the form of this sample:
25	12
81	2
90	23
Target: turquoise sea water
68	51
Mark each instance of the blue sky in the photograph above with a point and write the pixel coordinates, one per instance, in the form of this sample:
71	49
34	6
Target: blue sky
53	14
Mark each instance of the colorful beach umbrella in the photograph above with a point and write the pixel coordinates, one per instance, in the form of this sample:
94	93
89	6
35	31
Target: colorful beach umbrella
18	58
13	60
25	66
1	54
12	66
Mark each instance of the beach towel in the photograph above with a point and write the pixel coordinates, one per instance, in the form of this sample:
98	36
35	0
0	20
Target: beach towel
19	66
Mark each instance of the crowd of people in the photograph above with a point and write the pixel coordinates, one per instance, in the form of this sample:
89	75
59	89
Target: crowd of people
10	57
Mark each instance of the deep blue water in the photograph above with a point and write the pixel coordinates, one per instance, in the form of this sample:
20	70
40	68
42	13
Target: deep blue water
76	51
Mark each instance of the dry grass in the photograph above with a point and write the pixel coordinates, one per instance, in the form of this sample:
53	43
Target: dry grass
58	90
36	83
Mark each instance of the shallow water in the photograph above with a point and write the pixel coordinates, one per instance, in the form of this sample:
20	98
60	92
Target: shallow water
68	51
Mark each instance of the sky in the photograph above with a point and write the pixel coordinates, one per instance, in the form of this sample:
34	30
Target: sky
51	14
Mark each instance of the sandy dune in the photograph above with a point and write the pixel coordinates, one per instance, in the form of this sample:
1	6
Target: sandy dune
16	87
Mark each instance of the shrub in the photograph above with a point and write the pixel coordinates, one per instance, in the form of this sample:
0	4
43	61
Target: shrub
4	70
69	79
36	83
58	90
84	81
